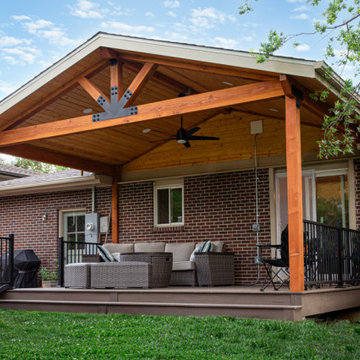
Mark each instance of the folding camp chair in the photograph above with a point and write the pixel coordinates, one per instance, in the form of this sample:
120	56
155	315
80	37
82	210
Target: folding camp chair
277	269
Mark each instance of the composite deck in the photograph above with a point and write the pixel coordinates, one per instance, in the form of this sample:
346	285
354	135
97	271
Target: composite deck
237	301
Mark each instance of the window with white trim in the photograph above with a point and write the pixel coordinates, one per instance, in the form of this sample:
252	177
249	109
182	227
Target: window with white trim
169	203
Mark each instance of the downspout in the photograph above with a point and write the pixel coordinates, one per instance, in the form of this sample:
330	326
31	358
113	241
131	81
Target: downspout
93	199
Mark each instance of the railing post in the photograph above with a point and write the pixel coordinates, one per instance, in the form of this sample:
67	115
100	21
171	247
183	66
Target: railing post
11	259
340	258
61	261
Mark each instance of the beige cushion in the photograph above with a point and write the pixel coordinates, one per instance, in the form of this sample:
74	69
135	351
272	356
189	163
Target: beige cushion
149	247
183	265
180	251
119	248
217	245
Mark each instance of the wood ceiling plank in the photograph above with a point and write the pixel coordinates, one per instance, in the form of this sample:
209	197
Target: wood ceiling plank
192	65
50	98
160	109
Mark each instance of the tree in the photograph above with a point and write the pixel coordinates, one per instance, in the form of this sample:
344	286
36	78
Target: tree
341	24
36	166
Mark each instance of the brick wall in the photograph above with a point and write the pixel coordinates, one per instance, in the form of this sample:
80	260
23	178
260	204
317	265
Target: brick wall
217	207
22	216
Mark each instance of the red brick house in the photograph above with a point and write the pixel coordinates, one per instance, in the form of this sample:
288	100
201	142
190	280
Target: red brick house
75	114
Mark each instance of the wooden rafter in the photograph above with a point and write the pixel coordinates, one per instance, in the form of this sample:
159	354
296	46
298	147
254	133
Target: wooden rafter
140	80
116	76
41	154
50	98
203	67
92	89
161	109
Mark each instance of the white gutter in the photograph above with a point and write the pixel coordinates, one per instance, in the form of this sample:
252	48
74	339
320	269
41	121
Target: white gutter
65	184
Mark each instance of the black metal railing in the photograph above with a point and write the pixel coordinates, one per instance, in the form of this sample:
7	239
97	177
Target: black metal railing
331	255
7	260
73	252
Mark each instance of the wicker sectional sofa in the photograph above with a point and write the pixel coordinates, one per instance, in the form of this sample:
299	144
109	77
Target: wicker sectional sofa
204	269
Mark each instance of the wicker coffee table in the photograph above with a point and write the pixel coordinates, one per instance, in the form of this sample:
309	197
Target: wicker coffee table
161	265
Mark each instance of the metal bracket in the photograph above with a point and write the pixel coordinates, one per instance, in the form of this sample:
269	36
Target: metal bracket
298	94
108	115
115	109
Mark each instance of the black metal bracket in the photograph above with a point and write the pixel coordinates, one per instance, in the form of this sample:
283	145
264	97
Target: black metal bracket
298	95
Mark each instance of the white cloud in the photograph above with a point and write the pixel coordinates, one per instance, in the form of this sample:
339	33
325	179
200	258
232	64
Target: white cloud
225	43
47	30
300	8
209	17
21	17
295	1
301	16
128	29
21	55
6	41
149	14
171	4
303	47
6	88
171	13
249	38
87	10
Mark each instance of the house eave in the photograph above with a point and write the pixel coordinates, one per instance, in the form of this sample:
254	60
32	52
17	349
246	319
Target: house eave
67	184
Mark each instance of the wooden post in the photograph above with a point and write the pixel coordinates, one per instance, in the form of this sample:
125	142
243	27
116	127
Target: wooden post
294	191
115	211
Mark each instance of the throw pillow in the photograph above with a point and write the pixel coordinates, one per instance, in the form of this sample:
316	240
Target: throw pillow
105	254
116	256
197	250
206	247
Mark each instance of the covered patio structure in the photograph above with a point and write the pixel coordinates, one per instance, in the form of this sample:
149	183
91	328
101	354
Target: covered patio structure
110	107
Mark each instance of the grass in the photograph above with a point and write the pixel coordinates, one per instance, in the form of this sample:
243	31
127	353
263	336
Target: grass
41	335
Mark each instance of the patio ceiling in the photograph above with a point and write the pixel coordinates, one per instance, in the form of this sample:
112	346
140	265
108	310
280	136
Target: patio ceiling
44	120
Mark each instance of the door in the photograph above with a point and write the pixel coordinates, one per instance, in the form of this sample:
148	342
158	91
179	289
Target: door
74	234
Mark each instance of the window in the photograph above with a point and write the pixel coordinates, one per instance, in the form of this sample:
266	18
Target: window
325	198
74	228
168	204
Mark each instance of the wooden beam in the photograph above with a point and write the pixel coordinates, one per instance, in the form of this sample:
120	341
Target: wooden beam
294	193
92	89
161	109
116	77
139	81
50	98
75	162
318	108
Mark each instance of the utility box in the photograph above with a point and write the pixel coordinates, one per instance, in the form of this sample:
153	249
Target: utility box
91	227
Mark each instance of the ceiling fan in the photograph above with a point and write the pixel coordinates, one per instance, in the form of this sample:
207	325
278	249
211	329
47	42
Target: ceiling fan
184	136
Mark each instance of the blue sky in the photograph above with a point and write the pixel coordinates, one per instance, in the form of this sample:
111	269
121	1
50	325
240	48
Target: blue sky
34	34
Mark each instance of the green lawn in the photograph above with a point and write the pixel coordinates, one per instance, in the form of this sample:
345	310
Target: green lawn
40	335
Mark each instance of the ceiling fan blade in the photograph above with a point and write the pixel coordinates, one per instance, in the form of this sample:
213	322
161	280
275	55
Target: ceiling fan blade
193	130
187	144
203	138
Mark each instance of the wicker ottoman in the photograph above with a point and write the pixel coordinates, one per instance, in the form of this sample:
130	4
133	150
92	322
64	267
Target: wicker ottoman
125	274
161	265
77	275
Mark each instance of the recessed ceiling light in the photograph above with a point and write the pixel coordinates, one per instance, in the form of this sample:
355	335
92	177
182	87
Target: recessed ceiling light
227	83
146	131
87	111
273	110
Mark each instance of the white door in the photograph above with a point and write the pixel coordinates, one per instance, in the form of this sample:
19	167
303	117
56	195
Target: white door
74	234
